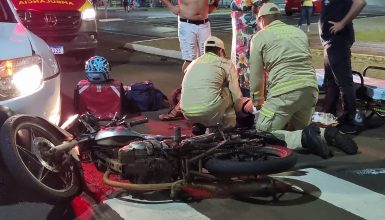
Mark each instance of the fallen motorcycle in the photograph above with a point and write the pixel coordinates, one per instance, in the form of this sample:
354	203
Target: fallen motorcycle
45	158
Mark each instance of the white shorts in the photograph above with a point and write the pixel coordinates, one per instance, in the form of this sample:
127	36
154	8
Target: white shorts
192	38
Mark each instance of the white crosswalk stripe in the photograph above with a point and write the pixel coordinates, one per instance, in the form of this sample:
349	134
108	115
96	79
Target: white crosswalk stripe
333	190
154	210
343	194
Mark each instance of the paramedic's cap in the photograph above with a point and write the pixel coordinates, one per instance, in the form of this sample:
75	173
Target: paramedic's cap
214	42
268	9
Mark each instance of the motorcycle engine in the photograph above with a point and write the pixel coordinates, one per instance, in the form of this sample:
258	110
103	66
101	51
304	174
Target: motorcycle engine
147	162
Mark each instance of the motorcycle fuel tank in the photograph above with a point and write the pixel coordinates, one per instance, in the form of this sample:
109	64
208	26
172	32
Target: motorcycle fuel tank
116	136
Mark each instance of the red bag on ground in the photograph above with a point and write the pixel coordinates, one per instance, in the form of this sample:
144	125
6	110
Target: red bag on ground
102	100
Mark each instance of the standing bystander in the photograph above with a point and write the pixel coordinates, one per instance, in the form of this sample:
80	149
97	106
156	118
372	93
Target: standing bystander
193	26
95	4
337	36
126	5
244	25
306	11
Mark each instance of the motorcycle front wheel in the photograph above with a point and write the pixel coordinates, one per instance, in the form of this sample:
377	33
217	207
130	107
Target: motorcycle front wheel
25	141
254	161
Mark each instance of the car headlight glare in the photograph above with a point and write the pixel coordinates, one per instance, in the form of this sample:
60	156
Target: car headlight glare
89	14
34	76
20	76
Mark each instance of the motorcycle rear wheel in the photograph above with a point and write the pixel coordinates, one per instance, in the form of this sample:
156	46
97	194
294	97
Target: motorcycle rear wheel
262	161
24	141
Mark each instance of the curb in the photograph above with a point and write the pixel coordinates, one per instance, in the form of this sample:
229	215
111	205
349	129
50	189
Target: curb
357	55
177	54
154	50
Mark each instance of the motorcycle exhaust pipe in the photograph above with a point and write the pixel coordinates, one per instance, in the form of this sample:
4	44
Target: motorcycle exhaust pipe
65	146
262	187
136	187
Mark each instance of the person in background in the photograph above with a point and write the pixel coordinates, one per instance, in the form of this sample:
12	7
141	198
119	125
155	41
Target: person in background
292	91
210	90
105	4
306	12
95	4
337	36
193	26
244	25
126	5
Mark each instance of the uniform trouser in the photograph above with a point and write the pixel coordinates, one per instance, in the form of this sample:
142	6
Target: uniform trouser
339	79
291	111
223	113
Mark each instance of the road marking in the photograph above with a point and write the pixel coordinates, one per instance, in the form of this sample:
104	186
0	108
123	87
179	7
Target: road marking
162	38
372	171
154	211
346	195
126	34
111	19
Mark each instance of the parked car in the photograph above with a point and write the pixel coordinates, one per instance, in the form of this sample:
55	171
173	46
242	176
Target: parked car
29	72
293	6
69	27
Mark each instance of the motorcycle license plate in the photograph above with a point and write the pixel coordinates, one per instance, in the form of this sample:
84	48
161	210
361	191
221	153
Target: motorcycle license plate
57	49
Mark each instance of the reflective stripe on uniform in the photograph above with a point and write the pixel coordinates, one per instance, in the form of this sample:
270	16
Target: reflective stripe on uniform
194	110
266	112
289	85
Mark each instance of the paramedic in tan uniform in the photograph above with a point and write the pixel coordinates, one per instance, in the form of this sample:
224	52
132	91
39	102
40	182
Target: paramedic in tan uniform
193	30
210	88
292	91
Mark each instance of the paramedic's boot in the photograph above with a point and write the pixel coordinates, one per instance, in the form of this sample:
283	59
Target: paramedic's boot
311	139
337	139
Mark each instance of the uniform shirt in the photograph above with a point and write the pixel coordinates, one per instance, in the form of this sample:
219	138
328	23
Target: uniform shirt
307	3
335	10
283	51
204	82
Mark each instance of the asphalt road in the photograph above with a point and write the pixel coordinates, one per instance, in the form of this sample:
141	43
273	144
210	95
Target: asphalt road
343	187
163	24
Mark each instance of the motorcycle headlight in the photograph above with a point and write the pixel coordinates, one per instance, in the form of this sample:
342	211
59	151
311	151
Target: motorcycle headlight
89	14
20	76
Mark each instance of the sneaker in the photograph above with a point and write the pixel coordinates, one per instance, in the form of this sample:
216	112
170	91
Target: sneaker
337	139
311	139
347	128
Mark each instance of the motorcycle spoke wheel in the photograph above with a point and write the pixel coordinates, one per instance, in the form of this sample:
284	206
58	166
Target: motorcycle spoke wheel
32	155
26	142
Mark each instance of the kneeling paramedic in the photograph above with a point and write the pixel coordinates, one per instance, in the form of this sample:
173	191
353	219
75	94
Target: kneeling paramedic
210	90
292	91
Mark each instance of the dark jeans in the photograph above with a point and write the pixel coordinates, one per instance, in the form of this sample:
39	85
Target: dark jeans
306	12
339	79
